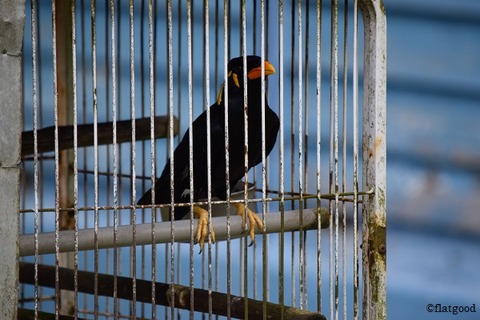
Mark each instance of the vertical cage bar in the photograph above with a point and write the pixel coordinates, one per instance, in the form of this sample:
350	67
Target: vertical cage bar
245	120
143	88
318	45
305	136
12	16
215	81
171	150
281	254
107	115
266	13
190	152
301	248
133	219
264	162
292	148
306	130
334	220
344	157
39	124
113	69
34	30
55	120
206	57
253	26
95	155
151	86
179	81
356	262
73	309
374	161
85	152
121	14
226	54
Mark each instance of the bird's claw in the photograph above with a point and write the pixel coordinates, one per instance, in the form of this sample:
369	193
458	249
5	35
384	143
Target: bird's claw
253	220
202	230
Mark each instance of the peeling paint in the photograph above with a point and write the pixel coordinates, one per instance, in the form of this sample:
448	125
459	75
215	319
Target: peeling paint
374	151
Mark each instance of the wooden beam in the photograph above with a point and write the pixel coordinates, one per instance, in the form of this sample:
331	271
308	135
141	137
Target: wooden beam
45	136
163	292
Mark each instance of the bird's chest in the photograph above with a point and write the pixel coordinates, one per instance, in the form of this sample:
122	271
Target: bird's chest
239	146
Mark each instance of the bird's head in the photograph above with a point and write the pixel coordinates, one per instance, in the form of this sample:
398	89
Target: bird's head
254	72
254	69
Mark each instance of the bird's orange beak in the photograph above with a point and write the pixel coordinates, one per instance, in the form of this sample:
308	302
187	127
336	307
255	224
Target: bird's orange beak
257	72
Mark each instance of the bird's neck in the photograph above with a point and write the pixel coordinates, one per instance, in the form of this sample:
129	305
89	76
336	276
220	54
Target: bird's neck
254	93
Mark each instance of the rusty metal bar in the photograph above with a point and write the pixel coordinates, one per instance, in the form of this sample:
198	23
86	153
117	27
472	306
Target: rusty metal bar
83	21
73	304
356	262
114	111
151	87
34	26
265	265
344	156
292	146
190	150
206	102
318	89
95	154
333	173
374	161
133	212
226	38
173	231
281	255
301	154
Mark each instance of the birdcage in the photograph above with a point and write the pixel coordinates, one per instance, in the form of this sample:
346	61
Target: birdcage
96	96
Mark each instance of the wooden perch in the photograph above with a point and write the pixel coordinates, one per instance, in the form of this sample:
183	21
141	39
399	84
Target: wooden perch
86	284
27	314
46	137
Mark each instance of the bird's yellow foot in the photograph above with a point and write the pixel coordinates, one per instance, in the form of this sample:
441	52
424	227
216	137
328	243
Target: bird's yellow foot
202	228
253	219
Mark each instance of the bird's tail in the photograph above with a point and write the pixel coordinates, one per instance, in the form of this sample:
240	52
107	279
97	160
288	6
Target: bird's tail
146	198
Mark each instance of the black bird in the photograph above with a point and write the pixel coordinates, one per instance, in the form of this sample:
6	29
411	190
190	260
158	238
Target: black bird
236	131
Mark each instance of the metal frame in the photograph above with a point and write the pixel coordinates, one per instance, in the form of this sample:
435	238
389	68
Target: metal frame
374	161
373	172
12	18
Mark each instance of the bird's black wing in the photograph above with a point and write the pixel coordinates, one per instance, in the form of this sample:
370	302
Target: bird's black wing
181	179
181	176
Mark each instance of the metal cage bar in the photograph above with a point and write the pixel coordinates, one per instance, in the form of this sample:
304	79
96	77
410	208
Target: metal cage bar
374	161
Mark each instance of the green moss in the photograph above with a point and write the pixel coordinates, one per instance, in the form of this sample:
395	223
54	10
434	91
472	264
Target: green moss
382	7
